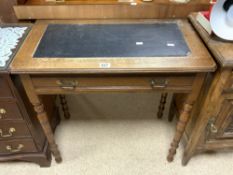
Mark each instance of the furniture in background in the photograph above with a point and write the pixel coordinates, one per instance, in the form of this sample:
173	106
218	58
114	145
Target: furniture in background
21	136
212	119
107	9
42	74
7	14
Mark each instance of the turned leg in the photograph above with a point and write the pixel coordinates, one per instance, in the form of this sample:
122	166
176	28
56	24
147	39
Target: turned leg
41	115
172	110
43	119
65	107
179	131
162	105
185	114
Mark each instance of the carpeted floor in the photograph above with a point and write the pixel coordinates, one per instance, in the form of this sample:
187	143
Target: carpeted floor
119	135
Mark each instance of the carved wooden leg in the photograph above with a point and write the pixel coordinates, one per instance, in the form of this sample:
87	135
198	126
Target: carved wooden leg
172	110
43	119
185	114
162	105
65	107
180	127
41	115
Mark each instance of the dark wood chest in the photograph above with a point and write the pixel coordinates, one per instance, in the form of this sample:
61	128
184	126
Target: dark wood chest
211	127
21	136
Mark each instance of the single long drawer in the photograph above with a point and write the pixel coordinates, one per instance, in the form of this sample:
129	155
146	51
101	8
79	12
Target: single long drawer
44	84
17	146
13	129
9	110
5	91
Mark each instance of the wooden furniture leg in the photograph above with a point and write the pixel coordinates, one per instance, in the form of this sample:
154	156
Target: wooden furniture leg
41	115
162	104
172	110
180	127
65	107
185	115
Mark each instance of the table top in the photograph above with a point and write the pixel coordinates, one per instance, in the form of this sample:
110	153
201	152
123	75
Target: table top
221	50
195	57
11	37
111	40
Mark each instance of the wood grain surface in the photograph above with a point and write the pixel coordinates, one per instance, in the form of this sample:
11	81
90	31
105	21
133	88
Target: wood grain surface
199	60
221	50
110	9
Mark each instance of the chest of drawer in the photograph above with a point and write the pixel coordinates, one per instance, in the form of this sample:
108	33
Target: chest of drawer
17	146
5	91
9	110
13	129
43	84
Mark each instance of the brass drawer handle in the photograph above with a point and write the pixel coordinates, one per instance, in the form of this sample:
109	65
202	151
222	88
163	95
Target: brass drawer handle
213	128
159	83
18	149
11	131
67	84
2	112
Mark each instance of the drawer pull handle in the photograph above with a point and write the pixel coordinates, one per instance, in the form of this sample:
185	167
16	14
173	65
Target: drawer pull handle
2	112
213	128
162	83
67	85
11	131
18	149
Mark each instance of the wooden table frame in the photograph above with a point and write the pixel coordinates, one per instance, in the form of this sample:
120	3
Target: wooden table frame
71	76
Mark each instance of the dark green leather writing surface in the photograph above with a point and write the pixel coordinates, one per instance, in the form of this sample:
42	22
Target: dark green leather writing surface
112	40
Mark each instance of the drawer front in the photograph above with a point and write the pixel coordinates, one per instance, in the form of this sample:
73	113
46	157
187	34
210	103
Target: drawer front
9	110
5	91
13	129
17	146
97	83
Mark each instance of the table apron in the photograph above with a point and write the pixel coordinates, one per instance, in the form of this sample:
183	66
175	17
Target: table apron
69	84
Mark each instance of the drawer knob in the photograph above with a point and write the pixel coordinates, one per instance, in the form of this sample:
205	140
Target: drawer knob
67	84
158	83
2	112
18	149
11	131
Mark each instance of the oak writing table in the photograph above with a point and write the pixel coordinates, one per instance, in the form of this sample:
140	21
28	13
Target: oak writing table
183	70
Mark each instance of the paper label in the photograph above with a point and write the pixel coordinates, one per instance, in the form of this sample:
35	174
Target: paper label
171	44
105	65
139	43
